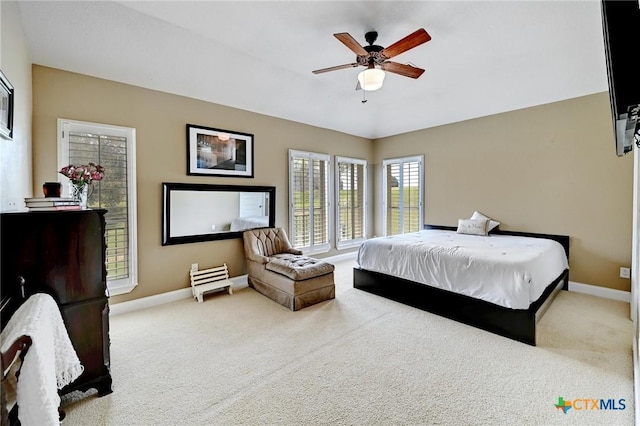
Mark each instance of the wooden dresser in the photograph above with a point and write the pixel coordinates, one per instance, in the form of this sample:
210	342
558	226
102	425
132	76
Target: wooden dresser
62	253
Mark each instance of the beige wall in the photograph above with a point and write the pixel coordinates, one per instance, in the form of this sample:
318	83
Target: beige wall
160	120
15	155
549	169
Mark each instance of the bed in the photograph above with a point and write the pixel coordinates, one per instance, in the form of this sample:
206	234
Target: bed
502	283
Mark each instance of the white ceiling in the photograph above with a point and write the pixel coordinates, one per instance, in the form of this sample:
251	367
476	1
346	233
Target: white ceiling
485	57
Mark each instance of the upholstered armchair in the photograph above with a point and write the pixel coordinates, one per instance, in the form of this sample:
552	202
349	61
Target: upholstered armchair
283	273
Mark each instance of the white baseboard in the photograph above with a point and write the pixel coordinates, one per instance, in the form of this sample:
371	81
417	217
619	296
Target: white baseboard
185	293
170	296
607	293
241	282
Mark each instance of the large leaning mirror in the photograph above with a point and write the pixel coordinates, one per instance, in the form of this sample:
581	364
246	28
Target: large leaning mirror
194	212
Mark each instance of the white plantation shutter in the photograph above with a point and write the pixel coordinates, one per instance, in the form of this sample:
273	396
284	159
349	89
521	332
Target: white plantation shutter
402	196
111	147
110	193
350	201
309	201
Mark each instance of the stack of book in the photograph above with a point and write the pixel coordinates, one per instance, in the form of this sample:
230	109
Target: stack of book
51	203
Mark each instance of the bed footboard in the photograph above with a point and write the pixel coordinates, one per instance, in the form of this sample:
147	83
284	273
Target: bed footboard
517	324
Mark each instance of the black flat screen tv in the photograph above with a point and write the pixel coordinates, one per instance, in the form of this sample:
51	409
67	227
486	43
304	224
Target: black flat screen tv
621	27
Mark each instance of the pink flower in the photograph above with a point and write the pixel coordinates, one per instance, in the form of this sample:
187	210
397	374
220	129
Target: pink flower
83	174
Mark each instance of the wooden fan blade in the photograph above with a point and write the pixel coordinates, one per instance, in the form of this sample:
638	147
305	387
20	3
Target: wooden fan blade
337	67
351	43
409	42
402	69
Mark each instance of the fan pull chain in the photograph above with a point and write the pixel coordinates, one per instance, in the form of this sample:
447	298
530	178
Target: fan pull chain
364	96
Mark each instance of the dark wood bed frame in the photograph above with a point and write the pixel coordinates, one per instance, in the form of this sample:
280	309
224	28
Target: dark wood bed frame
517	324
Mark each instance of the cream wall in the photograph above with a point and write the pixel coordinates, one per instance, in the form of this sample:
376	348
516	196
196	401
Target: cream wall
549	169
15	155
160	121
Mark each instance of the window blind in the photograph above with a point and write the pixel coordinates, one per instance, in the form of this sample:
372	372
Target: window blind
403	195
350	200
110	193
309	198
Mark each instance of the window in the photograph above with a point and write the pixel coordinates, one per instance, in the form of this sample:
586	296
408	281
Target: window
402	183
309	198
114	148
351	202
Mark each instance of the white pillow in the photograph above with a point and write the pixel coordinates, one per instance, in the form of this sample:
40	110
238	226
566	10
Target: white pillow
473	227
479	216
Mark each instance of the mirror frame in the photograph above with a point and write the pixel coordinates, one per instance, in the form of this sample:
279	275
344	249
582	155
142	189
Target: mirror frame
168	187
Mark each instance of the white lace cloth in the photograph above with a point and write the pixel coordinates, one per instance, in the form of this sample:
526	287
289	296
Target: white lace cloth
50	363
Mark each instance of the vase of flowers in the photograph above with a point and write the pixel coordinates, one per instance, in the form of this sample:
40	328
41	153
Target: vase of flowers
82	177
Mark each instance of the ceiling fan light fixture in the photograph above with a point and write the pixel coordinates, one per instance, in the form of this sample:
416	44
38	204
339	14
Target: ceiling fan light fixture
371	79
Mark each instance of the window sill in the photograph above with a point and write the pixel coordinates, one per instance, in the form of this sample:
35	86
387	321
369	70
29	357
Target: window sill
350	245
317	250
115	290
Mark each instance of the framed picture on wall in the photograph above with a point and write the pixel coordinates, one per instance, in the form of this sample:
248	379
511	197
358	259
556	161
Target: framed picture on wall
6	107
218	152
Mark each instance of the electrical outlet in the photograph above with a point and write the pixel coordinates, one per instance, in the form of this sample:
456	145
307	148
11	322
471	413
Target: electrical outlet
625	272
213	227
194	267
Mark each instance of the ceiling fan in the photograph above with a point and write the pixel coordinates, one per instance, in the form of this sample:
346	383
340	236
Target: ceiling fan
373	56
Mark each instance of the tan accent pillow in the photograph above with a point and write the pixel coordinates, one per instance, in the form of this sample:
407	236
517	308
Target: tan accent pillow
478	216
473	227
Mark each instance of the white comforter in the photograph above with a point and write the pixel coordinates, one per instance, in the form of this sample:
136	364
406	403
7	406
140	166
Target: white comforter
506	270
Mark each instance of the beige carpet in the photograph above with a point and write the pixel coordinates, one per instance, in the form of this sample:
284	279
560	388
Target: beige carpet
357	360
